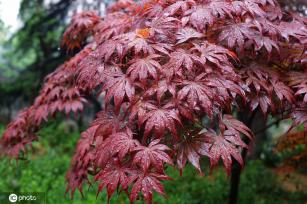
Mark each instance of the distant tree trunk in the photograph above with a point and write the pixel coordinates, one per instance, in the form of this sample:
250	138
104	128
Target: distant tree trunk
9	114
255	122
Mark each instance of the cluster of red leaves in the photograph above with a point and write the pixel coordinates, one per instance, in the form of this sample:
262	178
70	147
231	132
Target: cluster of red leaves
164	66
59	94
81	27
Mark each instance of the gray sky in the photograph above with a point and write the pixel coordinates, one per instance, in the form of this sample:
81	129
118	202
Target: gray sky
9	13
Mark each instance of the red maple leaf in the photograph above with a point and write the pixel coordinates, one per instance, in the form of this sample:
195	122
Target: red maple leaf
154	154
121	143
191	148
235	125
159	119
146	183
118	85
200	16
144	67
161	88
186	34
236	35
196	93
179	61
215	54
179	6
225	147
113	176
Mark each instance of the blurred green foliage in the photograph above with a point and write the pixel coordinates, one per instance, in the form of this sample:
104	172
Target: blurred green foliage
31	52
48	162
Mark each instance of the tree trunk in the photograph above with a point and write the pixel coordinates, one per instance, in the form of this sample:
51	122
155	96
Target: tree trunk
235	179
255	122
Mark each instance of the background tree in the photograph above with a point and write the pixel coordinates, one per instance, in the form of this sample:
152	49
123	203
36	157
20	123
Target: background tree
174	75
34	50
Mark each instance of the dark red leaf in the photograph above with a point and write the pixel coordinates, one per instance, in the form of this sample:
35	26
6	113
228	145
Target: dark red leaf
154	155
143	68
147	183
225	147
191	149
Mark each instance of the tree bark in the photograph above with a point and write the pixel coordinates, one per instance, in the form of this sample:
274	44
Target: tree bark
235	179
254	121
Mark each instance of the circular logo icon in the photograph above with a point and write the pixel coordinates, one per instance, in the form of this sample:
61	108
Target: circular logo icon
13	198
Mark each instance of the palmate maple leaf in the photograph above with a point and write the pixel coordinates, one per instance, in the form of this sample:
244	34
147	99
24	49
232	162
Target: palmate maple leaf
77	174
209	13
160	119
146	183
121	5
200	16
296	78
226	89
254	8
181	6
139	109
238	7
84	145
224	147
235	35
137	41
257	78
163	25
191	148
82	25
106	123
298	81
266	42
262	101
161	88
293	29
118	144
152	8
154	154
196	93
117	86
72	105
89	71
113	176
144	67
42	113
120	24
233	124
266	27
18	131
179	61
215	54
299	114
221	9
121	143
283	92
186	34
270	89
110	48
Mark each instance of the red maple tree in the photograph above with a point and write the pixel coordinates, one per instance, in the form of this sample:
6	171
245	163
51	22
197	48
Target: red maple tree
173	74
